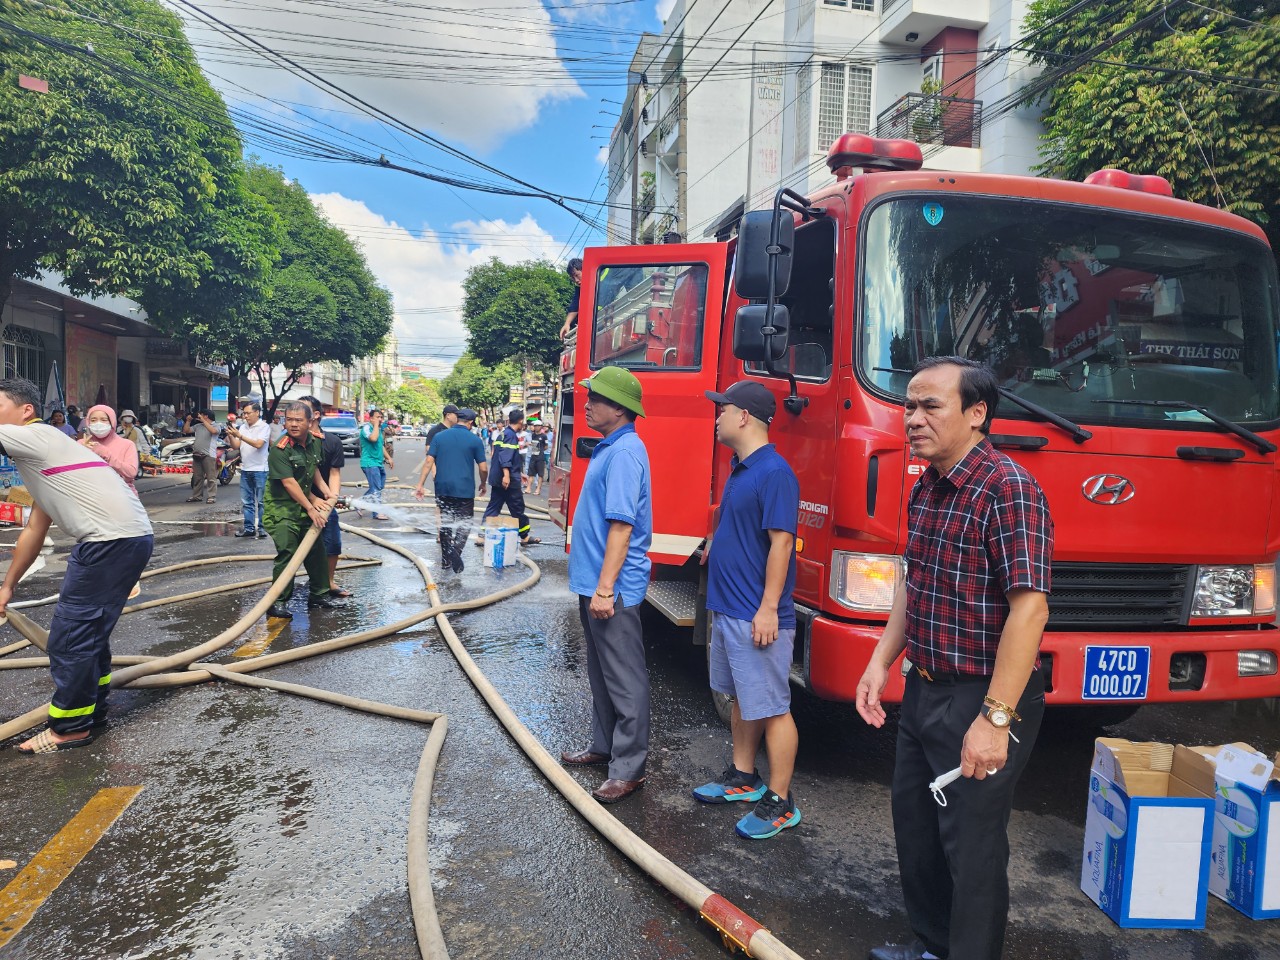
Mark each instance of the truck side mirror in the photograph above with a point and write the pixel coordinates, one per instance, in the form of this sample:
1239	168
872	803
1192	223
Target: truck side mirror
751	260
749	340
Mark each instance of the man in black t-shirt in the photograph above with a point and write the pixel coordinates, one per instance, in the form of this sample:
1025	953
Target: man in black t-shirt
447	419
329	470
574	269
537	458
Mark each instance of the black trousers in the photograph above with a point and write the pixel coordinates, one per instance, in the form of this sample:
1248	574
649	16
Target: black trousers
954	860
455	526
513	499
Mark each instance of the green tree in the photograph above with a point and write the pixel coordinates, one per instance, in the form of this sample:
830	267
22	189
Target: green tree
127	175
1187	92
418	400
473	384
514	312
322	302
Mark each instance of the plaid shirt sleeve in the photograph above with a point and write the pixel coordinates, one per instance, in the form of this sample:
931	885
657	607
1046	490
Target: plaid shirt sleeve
1020	535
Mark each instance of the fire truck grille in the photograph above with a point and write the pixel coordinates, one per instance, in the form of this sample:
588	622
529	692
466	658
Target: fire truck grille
1094	595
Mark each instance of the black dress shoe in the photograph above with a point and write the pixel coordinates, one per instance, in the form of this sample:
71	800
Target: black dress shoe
611	791
323	604
279	612
897	951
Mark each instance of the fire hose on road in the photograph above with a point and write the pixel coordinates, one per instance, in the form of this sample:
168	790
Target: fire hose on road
737	929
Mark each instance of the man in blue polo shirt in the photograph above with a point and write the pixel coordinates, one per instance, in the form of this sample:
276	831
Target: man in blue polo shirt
611	531
454	454
751	573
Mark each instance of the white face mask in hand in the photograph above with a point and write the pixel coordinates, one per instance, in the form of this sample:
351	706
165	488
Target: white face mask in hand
99	429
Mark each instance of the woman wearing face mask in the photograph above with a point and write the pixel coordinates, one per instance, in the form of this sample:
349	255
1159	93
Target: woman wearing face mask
102	439
130	430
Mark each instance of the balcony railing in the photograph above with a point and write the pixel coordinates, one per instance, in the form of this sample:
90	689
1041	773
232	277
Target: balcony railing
933	119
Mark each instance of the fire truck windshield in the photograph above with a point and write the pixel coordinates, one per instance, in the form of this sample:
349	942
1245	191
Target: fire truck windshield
1078	309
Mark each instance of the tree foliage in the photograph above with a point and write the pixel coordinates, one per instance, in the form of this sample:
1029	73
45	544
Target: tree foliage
1190	95
514	311
483	388
321	303
126	176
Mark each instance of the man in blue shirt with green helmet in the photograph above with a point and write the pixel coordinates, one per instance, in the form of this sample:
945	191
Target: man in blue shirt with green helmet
611	530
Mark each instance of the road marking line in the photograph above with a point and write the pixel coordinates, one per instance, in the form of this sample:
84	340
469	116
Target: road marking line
259	644
26	892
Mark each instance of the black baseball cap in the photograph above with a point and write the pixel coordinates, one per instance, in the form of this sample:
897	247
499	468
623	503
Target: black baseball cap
750	396
466	413
450	408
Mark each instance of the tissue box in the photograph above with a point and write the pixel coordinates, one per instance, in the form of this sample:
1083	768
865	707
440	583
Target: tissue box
1245	854
1146	834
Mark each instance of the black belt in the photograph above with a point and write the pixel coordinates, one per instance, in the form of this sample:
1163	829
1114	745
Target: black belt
950	678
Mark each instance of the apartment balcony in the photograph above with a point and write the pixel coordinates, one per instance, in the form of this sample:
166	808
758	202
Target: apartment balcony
927	18
933	119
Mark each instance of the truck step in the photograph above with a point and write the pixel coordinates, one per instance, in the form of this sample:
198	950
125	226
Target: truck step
677	600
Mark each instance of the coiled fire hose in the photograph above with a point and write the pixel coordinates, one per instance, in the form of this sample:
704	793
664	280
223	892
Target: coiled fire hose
737	929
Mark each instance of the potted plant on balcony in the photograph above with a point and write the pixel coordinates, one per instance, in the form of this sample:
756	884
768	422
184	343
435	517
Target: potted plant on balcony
926	118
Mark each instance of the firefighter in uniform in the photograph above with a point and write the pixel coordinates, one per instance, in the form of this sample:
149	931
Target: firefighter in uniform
288	510
504	477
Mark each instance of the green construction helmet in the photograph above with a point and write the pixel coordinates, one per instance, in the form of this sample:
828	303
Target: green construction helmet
618	385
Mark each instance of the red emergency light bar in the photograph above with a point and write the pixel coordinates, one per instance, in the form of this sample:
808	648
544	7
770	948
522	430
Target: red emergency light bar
1130	181
859	150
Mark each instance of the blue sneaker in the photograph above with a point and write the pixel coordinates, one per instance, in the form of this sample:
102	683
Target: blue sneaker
732	785
771	816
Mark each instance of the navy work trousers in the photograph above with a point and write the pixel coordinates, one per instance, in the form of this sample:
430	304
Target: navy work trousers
513	499
94	591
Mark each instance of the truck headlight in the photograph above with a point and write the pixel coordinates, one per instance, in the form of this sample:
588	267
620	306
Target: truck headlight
1234	591
864	581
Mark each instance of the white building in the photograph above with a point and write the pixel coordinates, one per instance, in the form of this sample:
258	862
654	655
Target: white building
694	149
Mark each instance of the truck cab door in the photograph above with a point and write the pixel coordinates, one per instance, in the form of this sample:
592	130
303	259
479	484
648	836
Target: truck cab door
657	311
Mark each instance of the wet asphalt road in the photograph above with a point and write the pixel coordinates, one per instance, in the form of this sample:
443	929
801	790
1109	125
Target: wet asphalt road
273	827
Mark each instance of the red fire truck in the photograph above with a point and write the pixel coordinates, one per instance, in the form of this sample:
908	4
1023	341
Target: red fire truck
1135	336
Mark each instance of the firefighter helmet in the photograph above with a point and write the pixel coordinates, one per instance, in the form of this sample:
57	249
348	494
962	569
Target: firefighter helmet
618	385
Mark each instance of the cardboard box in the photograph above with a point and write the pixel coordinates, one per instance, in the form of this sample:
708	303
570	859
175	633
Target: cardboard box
501	541
20	495
1245	851
1146	834
14	513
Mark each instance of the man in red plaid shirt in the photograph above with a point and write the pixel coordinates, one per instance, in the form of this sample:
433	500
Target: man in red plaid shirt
970	616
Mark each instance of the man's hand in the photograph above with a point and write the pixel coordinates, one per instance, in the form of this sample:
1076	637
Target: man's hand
601	608
317	517
564	330
6	594
391	464
985	750
764	627
506	479
480	492
870	687
419	491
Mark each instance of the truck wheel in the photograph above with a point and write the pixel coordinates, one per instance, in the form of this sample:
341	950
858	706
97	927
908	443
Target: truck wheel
722	703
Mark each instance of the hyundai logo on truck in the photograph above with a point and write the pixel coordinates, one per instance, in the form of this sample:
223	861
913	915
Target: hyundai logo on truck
1108	489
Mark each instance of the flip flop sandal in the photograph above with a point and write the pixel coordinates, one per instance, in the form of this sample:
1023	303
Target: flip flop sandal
193	499
528	541
212	500
341	593
43	742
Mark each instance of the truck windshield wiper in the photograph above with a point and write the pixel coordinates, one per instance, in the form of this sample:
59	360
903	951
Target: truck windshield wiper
1078	433
1264	445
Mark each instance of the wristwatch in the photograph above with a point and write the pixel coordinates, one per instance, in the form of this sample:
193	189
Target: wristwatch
997	716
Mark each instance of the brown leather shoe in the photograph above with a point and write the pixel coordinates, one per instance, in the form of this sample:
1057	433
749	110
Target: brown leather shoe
611	791
584	758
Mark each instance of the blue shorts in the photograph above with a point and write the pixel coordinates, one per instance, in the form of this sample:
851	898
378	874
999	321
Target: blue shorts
331	536
757	677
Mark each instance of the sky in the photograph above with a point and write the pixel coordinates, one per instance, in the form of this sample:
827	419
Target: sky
521	85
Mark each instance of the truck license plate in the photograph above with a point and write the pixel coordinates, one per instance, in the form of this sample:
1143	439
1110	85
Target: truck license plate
1116	673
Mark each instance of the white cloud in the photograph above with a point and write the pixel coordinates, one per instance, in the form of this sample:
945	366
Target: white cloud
664	8
448	77
423	267
602	155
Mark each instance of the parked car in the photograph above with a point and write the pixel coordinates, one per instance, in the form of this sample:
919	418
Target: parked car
345	427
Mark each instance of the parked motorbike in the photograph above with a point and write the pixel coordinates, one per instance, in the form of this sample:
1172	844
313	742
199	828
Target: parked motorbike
230	461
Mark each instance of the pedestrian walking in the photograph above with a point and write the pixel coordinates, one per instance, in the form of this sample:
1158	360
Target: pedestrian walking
609	570
84	496
453	457
537	459
751	575
504	473
374	458
970	616
204	457
291	472
252	437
